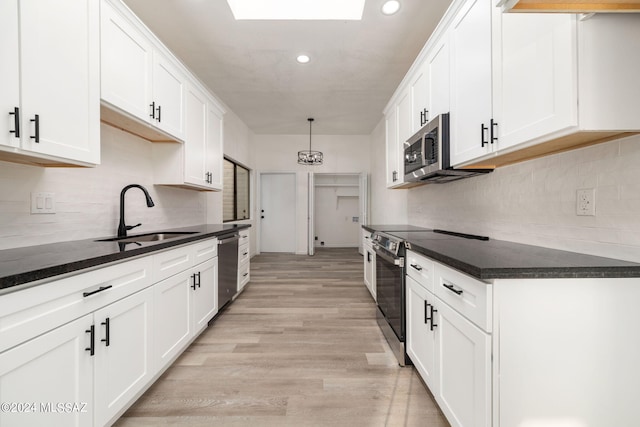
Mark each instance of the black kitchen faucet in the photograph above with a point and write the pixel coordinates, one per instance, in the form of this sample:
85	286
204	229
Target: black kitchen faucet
122	228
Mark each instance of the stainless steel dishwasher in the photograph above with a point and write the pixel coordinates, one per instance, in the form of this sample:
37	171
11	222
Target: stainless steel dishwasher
227	267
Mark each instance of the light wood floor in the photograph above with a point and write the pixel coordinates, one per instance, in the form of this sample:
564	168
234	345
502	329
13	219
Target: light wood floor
299	347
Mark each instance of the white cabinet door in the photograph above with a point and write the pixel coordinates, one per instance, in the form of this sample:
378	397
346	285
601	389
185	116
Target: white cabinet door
463	354
391	125
59	78
195	144
420	98
51	368
9	74
471	109
172	299
370	269
535	77
205	294
405	129
168	96
421	341
126	61
215	147
123	362
438	75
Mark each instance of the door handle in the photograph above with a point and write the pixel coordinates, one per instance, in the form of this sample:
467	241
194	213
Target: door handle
36	120
92	334
153	110
483	128
16	121
106	338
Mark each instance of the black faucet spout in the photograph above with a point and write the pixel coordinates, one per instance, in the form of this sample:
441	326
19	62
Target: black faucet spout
122	227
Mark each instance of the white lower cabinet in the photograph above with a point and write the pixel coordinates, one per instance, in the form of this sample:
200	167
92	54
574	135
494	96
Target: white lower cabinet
244	260
123	337
421	337
52	368
463	357
451	353
80	350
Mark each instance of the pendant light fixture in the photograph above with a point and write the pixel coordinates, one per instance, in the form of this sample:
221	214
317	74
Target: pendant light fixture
310	158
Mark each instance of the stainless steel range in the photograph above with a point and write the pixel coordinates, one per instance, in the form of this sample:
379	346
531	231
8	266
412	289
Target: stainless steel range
390	255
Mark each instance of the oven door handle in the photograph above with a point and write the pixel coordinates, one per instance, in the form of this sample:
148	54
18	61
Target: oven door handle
399	261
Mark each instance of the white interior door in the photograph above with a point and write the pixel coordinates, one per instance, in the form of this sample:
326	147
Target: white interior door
310	215
278	212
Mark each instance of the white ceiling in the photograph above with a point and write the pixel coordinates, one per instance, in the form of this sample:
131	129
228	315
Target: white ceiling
250	65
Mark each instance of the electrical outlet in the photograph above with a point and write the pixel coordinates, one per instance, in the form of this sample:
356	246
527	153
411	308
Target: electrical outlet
586	202
43	203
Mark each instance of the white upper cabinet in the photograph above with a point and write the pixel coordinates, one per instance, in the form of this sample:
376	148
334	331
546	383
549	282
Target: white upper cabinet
50	82
470	119
392	147
197	163
420	98
137	78
438	65
536	63
126	60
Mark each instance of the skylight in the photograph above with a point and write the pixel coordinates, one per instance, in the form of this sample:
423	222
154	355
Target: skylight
297	9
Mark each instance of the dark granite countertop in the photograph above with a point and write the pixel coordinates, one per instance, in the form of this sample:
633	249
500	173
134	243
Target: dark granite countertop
498	259
37	263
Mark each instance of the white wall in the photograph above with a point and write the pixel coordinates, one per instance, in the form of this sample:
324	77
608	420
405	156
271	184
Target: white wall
279	153
333	217
88	198
533	202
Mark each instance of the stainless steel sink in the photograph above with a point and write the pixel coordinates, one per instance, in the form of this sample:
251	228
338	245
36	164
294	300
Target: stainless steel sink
149	237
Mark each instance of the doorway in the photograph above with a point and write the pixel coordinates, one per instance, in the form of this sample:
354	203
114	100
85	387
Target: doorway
338	207
277	213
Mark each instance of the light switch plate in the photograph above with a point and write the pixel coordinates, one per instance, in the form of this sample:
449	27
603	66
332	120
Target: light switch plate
43	203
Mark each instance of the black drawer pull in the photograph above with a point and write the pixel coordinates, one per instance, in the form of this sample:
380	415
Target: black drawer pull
91	349
453	289
100	289
426	308
433	325
159	110
16	121
106	339
245	274
483	128
195	284
417	267
153	110
36	120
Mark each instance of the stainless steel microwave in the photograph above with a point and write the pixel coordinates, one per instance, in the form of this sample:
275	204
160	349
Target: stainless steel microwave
426	155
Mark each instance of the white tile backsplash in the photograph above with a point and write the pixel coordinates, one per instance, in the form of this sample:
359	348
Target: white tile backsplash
87	199
534	202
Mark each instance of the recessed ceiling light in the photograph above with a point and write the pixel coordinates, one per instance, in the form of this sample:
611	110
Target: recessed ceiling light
303	59
297	9
391	7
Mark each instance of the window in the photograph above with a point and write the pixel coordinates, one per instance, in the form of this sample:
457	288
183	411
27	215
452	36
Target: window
235	192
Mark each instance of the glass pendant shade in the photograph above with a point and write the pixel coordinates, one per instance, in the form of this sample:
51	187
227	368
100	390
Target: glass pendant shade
310	157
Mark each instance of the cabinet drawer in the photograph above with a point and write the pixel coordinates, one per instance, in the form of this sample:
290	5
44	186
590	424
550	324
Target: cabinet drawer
420	269
243	254
468	296
244	275
166	264
31	312
244	236
205	250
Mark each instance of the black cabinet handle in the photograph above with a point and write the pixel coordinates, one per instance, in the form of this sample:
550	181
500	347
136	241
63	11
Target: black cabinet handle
153	110
395	176
16	121
198	278
92	334
494	131
426	309
453	289
36	120
193	286
245	274
368	256
106	338
416	266
483	128
159	110
100	289
433	325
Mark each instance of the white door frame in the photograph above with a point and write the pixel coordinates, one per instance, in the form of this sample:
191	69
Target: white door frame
258	205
